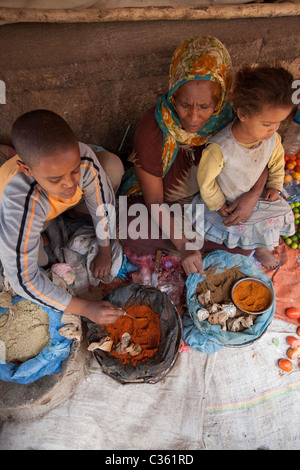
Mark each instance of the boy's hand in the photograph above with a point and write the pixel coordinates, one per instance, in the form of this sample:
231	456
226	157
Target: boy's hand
101	312
101	264
272	194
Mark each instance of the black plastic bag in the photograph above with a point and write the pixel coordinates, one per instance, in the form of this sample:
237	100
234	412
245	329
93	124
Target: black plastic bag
153	369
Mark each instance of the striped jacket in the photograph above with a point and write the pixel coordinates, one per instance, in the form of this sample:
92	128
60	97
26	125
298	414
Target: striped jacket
25	207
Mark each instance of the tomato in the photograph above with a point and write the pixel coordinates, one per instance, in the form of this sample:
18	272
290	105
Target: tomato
290	165
296	175
285	365
298	331
293	353
293	313
297	167
288	179
291	157
293	342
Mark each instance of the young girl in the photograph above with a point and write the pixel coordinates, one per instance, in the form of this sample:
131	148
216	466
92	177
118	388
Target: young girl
235	158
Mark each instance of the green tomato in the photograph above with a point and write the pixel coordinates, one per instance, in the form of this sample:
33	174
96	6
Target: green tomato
288	241
294	238
296	215
294	246
297	221
292	205
296	210
297	204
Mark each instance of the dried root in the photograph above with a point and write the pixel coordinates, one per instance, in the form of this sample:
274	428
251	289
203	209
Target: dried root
225	315
73	327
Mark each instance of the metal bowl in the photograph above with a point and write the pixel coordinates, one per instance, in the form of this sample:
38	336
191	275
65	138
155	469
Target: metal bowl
252	279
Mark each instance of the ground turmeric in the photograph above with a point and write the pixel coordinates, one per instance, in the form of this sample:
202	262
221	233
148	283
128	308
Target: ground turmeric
144	330
252	296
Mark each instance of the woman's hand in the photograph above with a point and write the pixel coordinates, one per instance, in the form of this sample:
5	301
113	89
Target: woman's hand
223	210
240	210
191	261
101	264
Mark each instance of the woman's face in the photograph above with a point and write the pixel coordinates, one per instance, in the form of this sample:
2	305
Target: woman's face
195	102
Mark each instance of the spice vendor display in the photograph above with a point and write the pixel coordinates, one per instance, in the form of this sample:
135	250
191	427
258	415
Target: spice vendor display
222	270
252	296
214	294
141	329
149	342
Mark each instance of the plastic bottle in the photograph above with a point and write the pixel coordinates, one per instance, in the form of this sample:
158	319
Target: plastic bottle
291	143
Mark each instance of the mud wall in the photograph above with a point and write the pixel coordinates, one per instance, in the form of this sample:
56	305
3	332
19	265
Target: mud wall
101	77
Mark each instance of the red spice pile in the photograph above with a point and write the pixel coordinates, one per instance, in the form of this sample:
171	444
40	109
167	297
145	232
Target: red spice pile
144	331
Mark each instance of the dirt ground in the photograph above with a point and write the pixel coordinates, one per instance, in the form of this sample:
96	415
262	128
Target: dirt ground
101	77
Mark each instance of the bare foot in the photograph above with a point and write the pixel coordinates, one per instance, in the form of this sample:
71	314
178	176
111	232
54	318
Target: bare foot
266	258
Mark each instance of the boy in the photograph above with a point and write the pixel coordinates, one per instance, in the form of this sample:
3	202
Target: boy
51	173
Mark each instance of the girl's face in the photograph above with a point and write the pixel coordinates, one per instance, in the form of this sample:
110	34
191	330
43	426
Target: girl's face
59	174
262	126
195	102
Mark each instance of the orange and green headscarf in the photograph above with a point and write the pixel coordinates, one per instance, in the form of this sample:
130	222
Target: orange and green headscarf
199	58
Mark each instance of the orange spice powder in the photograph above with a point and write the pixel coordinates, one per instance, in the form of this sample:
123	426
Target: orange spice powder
252	296
145	331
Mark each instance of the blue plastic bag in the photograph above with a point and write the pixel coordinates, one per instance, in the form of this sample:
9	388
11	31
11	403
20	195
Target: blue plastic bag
47	362
210	338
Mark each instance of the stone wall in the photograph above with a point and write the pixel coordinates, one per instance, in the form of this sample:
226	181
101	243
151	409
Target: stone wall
101	77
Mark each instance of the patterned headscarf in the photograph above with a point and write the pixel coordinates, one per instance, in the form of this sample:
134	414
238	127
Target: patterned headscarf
198	58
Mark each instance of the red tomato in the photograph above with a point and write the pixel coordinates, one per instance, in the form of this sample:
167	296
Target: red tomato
293	313
290	165
285	365
293	342
288	178
293	353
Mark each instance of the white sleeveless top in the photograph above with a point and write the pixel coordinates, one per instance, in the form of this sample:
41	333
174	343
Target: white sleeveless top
242	166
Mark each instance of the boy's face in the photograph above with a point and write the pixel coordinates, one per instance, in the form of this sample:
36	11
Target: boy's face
59	174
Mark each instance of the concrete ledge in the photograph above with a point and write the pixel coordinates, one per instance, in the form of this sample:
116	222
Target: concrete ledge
91	15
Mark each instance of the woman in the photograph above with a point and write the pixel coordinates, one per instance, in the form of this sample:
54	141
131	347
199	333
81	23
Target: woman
171	136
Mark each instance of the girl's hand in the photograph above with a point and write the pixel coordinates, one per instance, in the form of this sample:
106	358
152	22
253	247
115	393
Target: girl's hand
101	264
272	194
